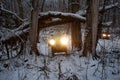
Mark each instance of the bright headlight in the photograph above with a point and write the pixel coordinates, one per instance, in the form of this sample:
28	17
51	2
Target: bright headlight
104	35
64	40
109	35
52	42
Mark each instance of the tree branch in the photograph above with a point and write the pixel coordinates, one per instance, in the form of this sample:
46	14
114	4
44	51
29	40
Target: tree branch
24	28
108	7
7	34
12	13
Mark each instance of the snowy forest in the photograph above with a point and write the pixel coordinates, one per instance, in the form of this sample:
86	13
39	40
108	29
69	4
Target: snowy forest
59	39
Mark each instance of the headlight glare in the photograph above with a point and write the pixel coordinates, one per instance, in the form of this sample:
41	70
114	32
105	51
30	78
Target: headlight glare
64	40
109	35
104	35
52	42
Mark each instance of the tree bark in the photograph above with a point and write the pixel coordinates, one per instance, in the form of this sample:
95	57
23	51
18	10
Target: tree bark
76	35
74	5
20	7
94	25
91	28
43	3
34	26
88	30
76	26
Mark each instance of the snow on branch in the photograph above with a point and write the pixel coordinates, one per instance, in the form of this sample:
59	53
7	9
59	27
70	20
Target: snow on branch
108	7
107	24
63	15
7	34
81	12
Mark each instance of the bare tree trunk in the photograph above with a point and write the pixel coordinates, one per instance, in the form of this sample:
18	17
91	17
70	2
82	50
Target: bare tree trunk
7	51
76	35
73	5
60	72
76	26
34	26
91	28
1	6
94	25
88	30
43	3
21	11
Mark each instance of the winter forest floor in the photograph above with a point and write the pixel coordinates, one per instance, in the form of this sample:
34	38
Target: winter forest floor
61	67
64	67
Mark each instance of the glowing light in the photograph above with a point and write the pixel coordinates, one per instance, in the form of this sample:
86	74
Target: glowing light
109	35
52	42
64	40
104	35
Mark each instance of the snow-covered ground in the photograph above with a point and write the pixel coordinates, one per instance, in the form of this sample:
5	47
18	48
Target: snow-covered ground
29	67
83	68
64	67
